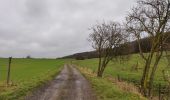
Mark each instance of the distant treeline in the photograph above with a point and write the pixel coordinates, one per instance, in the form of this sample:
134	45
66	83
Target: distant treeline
83	55
146	45
130	49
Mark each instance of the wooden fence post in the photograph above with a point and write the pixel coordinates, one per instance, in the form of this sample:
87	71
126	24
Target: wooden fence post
168	93
9	70
159	91
118	77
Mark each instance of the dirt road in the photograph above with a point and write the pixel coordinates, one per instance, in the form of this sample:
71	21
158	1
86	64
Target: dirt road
68	85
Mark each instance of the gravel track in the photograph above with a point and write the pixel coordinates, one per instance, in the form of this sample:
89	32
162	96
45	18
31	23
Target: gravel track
68	85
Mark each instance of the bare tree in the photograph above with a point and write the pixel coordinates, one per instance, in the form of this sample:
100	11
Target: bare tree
106	39
150	18
28	57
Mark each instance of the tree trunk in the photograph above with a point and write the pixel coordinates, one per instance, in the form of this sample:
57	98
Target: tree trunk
144	80
102	68
100	74
144	83
153	74
100	71
151	80
99	66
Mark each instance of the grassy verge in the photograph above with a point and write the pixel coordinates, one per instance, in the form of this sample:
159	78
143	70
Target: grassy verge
26	75
125	70
110	89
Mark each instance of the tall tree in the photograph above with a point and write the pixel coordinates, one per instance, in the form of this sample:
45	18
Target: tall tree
106	39
150	18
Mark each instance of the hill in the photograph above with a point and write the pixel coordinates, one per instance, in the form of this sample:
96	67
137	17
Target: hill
132	48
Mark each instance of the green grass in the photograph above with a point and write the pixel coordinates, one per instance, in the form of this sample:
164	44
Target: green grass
116	68
26	75
107	90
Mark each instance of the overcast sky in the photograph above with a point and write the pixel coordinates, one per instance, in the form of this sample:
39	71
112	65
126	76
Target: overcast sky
53	28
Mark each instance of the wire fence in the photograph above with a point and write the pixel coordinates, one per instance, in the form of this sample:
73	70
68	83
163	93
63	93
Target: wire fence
161	92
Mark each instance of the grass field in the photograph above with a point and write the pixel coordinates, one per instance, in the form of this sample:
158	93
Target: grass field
124	70
26	75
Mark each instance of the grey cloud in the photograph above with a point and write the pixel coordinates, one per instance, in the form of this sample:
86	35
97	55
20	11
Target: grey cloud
53	28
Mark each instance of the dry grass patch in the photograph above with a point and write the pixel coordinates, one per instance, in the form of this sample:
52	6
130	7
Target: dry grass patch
128	87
